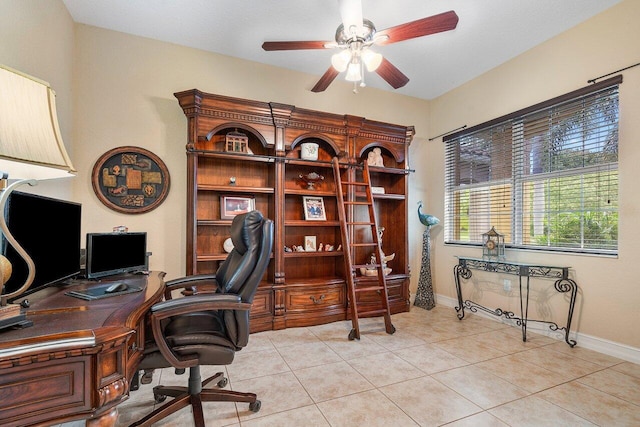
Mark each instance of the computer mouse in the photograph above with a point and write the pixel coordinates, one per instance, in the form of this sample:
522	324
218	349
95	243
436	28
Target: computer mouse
116	287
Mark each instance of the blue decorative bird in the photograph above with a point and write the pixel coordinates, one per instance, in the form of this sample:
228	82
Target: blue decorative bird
426	219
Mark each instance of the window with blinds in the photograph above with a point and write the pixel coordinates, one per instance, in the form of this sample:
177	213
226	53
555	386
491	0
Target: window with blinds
546	177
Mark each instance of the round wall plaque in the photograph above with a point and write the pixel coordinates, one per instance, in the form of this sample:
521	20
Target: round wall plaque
130	180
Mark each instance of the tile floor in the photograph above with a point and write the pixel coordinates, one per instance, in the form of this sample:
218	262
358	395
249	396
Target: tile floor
435	370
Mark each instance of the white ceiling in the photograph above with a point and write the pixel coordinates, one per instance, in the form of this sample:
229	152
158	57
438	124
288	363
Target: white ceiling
489	32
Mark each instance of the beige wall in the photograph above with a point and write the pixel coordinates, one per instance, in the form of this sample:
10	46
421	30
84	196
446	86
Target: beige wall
609	297
115	90
36	38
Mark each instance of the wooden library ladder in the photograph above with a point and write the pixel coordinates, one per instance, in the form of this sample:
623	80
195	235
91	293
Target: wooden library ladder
354	200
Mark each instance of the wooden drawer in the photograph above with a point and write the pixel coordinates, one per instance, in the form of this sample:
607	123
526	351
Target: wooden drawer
136	341
42	391
394	291
262	310
262	303
134	349
315	298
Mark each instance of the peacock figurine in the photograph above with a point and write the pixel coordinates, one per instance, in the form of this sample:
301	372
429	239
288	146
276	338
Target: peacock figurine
424	295
426	219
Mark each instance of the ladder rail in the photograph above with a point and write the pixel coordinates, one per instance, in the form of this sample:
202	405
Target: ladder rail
382	280
347	251
347	232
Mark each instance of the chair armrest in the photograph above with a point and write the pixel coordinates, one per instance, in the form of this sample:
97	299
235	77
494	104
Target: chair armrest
189	284
188	304
196	303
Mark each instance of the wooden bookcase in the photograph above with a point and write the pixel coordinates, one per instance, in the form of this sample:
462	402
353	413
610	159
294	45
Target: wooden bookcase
300	288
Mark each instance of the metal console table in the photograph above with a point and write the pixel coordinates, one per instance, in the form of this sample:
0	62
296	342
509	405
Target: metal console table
563	284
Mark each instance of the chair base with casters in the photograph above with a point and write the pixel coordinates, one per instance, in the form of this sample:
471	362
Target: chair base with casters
208	323
194	395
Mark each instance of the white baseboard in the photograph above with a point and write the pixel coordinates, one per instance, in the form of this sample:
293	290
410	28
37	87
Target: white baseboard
610	348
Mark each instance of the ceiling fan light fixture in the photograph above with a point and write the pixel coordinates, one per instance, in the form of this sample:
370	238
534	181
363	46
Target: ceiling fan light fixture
353	72
371	59
341	60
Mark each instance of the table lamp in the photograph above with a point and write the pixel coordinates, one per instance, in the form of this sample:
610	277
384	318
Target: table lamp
31	149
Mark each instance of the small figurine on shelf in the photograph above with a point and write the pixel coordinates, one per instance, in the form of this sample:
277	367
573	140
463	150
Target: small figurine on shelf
375	157
232	180
320	247
288	249
370	269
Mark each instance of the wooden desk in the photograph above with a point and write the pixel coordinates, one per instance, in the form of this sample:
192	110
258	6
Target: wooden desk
78	358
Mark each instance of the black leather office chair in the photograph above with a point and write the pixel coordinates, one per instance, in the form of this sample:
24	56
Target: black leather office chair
209	322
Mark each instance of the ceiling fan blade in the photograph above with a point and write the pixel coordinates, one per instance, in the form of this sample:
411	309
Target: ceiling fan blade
422	27
325	80
295	45
351	14
391	74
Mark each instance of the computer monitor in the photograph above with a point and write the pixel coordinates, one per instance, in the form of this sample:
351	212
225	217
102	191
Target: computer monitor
108	254
49	231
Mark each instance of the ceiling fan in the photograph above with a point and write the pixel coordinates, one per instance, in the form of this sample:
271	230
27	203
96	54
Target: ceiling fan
355	36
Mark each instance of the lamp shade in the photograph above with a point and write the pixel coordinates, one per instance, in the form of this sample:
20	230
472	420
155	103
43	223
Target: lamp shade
353	72
31	146
341	60
372	60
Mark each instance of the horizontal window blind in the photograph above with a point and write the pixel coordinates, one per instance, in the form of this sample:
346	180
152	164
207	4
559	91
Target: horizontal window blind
546	177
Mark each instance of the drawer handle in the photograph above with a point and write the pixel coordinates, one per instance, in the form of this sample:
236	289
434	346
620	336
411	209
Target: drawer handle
317	300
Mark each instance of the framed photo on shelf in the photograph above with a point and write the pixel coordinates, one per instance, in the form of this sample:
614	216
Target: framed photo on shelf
314	208
310	244
230	206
